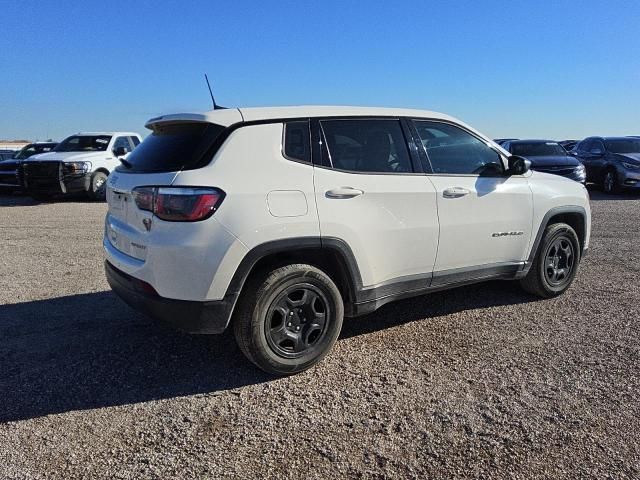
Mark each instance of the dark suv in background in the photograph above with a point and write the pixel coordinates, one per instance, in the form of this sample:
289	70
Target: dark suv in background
547	156
613	162
10	173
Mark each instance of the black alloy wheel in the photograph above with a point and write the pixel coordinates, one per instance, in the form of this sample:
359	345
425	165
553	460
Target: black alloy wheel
559	261
296	320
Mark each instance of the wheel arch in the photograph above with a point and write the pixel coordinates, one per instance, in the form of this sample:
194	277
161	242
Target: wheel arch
331	255
574	215
101	169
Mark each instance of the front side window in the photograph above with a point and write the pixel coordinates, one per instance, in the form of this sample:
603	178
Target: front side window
297	141
630	145
585	145
452	150
84	143
367	145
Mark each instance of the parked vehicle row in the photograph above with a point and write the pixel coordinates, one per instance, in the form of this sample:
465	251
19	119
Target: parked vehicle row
611	162
549	157
10	169
278	222
80	163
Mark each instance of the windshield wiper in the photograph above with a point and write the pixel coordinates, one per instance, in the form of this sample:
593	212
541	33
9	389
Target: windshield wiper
126	163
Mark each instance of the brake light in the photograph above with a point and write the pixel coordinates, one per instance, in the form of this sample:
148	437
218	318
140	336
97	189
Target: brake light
144	197
179	204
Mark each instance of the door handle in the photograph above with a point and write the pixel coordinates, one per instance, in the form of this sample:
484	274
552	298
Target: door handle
455	192
343	192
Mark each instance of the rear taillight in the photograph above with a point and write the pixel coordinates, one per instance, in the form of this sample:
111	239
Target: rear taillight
144	197
179	204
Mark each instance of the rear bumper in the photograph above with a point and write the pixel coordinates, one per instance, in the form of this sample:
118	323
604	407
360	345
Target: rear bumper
209	317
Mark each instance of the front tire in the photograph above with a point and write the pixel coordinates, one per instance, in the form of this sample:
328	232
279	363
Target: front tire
555	264
610	183
288	319
98	186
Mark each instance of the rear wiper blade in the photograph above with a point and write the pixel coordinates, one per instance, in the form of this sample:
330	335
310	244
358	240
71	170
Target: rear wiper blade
126	163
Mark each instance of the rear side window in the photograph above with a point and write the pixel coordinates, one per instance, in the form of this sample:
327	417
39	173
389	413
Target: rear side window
179	146
371	145
452	150
297	141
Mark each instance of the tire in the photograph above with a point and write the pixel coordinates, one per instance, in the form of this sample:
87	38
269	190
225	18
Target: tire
98	186
610	182
282	329
558	251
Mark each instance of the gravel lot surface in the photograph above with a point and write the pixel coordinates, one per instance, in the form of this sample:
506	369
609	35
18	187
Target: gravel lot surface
483	381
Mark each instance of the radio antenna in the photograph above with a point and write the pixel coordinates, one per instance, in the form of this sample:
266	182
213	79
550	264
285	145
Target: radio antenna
213	100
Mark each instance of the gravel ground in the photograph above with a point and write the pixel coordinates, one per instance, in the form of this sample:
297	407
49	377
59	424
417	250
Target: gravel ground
483	381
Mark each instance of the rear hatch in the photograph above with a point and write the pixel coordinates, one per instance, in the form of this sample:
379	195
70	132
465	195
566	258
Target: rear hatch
172	146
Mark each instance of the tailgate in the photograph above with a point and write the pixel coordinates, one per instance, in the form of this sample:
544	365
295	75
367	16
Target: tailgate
125	223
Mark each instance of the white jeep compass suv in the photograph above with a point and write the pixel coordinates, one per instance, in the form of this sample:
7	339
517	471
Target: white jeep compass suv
279	222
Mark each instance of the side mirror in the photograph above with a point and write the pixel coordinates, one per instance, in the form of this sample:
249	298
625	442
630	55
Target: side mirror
596	152
120	151
518	165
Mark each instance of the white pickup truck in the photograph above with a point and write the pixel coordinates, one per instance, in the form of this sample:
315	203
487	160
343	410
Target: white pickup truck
80	163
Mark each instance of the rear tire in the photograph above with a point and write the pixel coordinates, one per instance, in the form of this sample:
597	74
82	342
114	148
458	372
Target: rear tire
98	186
555	264
288	319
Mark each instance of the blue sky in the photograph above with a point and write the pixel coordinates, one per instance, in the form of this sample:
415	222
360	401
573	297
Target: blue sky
558	69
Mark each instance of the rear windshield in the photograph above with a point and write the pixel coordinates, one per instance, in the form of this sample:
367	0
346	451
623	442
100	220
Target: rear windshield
182	146
537	149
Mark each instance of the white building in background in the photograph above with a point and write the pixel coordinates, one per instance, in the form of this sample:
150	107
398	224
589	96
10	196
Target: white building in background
13	144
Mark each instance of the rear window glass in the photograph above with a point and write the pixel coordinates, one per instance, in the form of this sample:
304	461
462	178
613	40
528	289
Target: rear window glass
366	145
297	141
182	146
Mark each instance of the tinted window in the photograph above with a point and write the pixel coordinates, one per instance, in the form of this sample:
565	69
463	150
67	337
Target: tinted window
84	143
135	141
366	146
297	142
33	149
623	146
452	150
585	145
181	146
122	142
537	149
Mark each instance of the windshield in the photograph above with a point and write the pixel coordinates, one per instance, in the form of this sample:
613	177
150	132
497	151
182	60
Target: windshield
537	149
33	149
180	146
84	143
623	145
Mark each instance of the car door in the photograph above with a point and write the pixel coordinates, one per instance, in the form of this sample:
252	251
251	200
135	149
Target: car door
485	215
598	159
370	194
